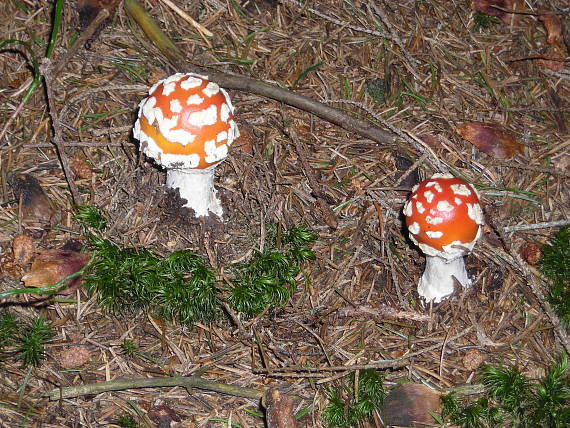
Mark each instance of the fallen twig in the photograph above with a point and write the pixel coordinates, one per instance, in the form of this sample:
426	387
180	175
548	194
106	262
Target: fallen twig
382	312
327	212
57	138
534	226
302	371
183	381
247	84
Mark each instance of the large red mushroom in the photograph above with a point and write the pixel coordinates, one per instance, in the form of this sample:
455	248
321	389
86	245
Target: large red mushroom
444	219
186	125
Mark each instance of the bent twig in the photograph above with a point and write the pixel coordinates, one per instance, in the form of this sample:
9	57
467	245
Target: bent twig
247	84
122	384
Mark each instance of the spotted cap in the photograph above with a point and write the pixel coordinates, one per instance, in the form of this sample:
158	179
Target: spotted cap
443	216
186	122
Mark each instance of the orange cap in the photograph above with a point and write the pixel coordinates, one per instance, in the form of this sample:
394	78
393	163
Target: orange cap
186	122
443	216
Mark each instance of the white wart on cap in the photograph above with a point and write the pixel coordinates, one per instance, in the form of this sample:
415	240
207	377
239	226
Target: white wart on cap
186	122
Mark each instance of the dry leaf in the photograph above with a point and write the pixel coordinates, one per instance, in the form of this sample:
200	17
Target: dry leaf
472	359
51	266
409	403
280	410
499	9
23	248
491	139
80	168
246	140
74	357
163	416
36	208
553	58
552	24
531	253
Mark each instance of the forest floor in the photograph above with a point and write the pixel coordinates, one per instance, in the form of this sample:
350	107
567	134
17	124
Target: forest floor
356	304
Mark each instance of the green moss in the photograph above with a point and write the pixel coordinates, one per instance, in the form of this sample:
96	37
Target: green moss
183	288
346	409
513	400
555	265
483	21
180	287
24	339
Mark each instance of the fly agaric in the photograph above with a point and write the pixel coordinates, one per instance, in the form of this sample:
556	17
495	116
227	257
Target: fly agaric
444	219
186	125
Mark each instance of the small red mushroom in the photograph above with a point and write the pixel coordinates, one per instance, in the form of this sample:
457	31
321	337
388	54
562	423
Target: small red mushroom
444	219
186	125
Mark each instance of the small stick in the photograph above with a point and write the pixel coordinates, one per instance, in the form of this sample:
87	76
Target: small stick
156	382
534	226
75	144
382	312
381	364
58	66
384	16
326	210
247	84
201	29
57	138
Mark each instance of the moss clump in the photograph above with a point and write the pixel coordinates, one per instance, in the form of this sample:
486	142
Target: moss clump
24	339
180	287
513	400
350	406
268	278
183	288
555	265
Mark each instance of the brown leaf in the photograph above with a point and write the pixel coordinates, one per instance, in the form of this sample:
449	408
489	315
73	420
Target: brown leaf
80	168
163	416
73	357
51	266
280	410
553	58
89	9
552	24
531	253
36	208
491	139
23	248
409	403
472	359
246	140
499	8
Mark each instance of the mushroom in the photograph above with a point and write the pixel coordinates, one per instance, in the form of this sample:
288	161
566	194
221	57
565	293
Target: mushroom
186	125
444	219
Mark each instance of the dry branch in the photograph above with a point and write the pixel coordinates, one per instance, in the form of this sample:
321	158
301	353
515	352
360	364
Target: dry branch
326	211
46	69
301	371
247	84
183	381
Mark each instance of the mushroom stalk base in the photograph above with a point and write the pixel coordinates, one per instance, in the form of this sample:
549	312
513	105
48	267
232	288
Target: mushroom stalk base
437	282
197	187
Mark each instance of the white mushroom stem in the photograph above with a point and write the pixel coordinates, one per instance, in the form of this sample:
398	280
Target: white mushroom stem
437	281
197	187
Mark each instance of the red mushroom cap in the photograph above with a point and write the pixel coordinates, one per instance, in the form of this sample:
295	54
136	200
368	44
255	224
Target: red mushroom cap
443	216
186	122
